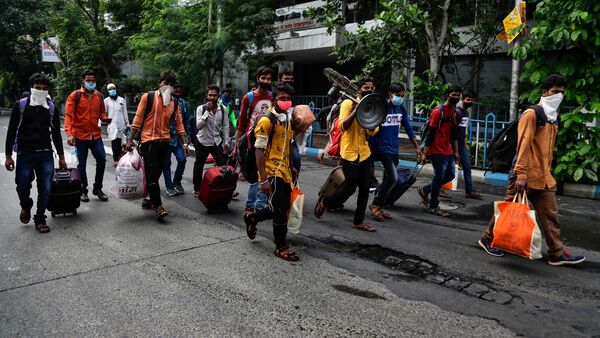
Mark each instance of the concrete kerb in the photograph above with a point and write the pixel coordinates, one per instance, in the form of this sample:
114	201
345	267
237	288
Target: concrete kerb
498	179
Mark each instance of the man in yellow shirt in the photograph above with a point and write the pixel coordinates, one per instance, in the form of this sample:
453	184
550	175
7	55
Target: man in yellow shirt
273	145
356	160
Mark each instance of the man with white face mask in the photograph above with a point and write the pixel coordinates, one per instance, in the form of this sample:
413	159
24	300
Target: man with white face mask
117	112
152	119
33	122
532	172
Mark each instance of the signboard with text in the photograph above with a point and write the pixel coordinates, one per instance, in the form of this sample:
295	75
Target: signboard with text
296	17
50	50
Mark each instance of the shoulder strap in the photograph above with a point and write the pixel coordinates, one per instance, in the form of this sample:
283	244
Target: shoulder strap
223	113
51	110
441	108
102	108
250	96
149	103
542	119
22	105
77	98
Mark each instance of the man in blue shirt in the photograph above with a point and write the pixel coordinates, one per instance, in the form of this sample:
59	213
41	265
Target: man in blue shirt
462	122
173	185
386	146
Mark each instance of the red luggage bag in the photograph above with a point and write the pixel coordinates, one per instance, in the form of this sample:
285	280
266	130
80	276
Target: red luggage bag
218	185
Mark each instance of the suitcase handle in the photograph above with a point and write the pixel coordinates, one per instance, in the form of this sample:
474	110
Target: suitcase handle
63	174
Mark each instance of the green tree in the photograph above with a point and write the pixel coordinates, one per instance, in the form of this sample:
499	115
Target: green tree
571	30
23	23
180	37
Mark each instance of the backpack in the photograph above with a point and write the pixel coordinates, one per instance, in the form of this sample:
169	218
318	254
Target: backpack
502	149
22	105
247	151
426	129
335	133
149	104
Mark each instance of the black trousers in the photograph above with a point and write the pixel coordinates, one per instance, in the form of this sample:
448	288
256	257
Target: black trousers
154	154
277	210
117	149
201	156
357	175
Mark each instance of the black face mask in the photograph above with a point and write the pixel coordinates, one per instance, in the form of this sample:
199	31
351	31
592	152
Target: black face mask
453	100
289	83
264	86
367	93
176	96
467	105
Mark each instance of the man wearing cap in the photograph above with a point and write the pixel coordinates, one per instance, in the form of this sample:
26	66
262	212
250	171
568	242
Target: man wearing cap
117	111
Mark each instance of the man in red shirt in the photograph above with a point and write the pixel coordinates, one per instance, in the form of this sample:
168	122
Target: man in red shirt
441	147
253	106
85	107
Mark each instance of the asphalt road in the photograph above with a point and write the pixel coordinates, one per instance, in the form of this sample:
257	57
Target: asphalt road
112	270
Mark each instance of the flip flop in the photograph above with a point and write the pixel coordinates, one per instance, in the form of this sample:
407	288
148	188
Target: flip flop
319	208
364	227
287	255
42	228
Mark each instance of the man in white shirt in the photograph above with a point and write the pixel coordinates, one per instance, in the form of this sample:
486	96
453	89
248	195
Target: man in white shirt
117	111
213	134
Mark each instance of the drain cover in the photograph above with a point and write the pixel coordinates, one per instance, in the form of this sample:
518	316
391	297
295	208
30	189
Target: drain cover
449	206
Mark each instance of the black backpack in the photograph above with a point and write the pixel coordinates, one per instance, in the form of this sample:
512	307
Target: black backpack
247	159
502	149
149	105
426	129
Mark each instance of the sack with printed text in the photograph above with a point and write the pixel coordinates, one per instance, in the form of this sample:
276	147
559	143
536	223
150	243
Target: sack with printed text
131	181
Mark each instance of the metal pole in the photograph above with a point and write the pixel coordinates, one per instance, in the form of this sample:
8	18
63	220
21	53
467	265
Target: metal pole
514	78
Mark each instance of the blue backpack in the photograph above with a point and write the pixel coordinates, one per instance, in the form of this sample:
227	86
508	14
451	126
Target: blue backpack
22	105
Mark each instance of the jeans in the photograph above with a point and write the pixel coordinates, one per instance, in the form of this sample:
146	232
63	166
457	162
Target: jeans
29	166
443	168
154	154
296	158
256	200
356	175
277	211
117	149
181	161
465	163
201	156
390	178
97	148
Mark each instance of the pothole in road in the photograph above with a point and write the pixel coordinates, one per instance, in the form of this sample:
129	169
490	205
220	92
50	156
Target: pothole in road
357	292
422	269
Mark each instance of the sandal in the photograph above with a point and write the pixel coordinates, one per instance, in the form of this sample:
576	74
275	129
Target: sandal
42	228
250	224
474	195
364	227
438	212
287	255
320	208
444	194
424	196
378	213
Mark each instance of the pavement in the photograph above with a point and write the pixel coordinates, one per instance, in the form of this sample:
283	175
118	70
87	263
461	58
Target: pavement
113	270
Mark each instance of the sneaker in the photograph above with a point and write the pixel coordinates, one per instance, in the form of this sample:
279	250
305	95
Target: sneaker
179	189
25	216
160	212
566	259
146	204
171	192
84	197
424	196
486	244
101	196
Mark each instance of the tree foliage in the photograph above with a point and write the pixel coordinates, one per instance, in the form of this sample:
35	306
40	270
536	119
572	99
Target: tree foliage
570	30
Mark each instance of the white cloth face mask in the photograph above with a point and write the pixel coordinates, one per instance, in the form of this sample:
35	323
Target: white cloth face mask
165	92
551	104
38	98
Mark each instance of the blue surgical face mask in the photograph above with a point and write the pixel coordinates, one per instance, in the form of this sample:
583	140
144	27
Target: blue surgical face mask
90	85
397	100
112	92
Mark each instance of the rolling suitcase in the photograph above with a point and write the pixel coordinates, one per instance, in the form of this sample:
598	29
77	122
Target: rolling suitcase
406	178
218	185
333	184
65	192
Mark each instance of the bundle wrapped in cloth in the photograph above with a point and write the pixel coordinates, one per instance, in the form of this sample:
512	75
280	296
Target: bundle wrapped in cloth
302	118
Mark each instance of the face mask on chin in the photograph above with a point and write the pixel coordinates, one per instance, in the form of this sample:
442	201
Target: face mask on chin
550	105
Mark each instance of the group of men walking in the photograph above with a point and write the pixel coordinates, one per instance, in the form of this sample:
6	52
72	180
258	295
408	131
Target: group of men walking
164	126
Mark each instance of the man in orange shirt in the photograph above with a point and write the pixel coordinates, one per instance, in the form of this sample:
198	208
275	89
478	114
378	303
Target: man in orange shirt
84	108
153	118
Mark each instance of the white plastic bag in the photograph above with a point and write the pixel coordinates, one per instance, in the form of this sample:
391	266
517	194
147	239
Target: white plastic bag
131	181
296	208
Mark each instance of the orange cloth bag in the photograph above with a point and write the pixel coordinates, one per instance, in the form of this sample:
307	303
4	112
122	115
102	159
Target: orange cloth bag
295	211
516	230
452	185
